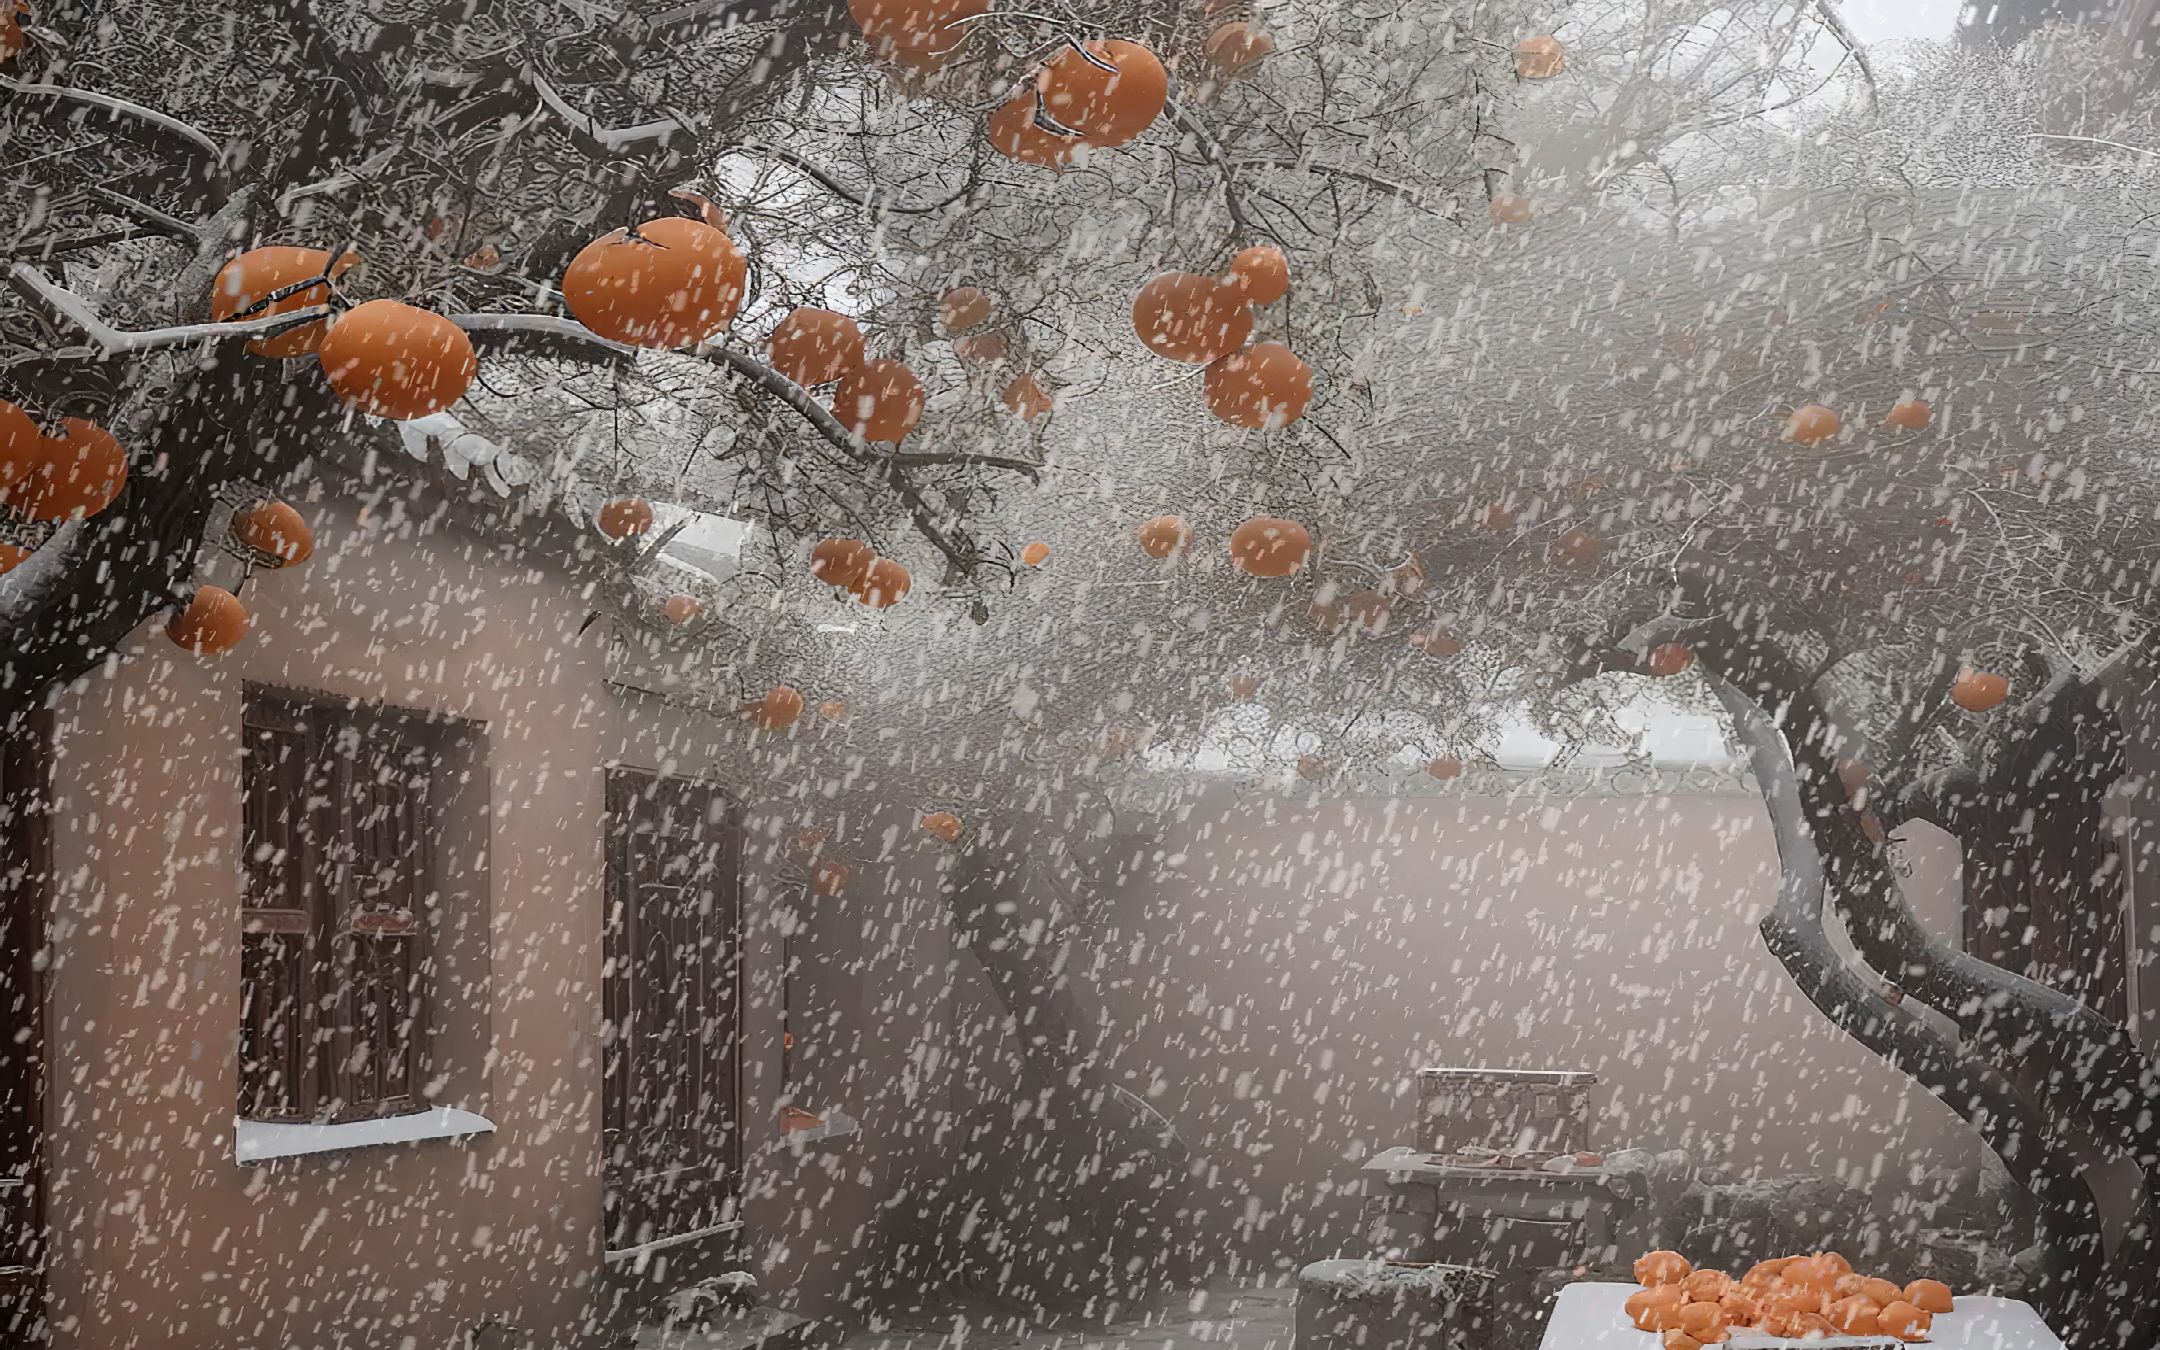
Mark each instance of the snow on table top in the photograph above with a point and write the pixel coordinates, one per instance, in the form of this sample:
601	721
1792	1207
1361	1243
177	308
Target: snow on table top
1593	1317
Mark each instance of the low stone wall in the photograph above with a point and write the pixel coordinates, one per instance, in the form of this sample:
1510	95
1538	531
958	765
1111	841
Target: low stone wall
1379	1305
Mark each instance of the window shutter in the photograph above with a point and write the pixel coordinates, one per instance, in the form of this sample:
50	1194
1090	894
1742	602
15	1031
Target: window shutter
378	916
282	793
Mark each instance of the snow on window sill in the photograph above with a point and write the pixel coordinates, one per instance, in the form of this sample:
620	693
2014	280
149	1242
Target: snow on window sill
261	1140
836	1125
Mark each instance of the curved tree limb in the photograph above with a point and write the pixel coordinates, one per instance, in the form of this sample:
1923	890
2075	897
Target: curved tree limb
606	140
158	127
539	335
1795	933
337	182
2095	1069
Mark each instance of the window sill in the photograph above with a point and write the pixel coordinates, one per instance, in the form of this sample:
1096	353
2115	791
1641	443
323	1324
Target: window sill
837	1125
257	1141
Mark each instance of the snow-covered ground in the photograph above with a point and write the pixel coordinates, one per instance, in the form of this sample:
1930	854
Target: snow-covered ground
1239	1317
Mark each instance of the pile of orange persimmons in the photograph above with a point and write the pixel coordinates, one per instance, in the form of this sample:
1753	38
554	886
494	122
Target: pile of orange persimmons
1804	1297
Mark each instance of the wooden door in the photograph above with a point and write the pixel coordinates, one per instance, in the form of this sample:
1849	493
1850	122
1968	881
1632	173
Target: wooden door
672	987
23	870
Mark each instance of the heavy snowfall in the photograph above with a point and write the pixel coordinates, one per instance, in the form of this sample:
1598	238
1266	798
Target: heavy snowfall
1031	674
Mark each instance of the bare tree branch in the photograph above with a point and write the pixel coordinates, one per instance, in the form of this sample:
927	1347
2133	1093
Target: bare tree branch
1834	19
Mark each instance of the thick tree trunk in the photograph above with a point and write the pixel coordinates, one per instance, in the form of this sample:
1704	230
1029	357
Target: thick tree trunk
240	417
2043	881
1796	933
2031	1066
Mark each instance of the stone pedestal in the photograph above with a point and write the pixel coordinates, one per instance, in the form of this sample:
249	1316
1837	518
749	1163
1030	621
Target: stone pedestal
1377	1305
1421	1209
1525	1225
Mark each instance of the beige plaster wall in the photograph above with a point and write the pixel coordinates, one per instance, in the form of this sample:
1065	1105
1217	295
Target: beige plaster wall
162	1240
1277	977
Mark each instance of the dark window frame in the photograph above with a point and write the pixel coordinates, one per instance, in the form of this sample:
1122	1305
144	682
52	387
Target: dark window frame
339	899
25	903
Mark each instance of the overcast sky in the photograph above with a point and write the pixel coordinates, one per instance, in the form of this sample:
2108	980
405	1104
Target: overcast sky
1885	20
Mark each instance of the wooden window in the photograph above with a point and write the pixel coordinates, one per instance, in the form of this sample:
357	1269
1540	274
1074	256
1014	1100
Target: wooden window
339	903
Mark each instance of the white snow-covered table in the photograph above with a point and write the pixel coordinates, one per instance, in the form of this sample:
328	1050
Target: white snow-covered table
1594	1317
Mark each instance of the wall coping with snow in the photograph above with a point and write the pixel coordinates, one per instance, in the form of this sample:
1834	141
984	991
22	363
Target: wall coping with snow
1158	788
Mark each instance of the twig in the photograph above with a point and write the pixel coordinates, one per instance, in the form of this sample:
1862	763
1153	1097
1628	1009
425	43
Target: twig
1396	190
724	13
1211	150
112	341
148	215
2092	140
547	330
337	182
612	140
832	429
49	249
1026	466
868	203
1834	20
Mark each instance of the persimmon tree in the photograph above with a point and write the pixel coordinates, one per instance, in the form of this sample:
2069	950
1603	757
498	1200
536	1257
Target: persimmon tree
1631	347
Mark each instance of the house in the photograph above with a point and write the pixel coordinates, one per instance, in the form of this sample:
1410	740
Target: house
406	980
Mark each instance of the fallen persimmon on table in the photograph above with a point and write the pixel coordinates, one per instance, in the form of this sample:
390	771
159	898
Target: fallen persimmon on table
1811	1297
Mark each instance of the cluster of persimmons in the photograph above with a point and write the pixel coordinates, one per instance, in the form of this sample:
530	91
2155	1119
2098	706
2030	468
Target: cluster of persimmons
1802	1297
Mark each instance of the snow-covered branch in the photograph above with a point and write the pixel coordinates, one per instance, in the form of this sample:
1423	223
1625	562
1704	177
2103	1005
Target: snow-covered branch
1834	19
868	201
118	109
339	181
160	221
540	334
111	341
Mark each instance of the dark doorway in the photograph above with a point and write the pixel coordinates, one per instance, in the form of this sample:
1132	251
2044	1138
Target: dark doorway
672	990
24	868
